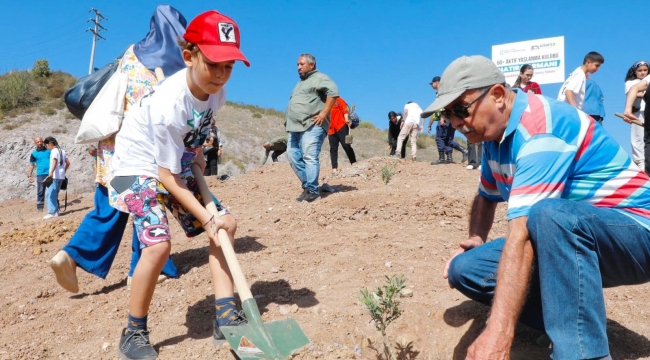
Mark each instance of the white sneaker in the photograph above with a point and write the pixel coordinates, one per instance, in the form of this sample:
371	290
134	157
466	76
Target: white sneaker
49	216
65	270
470	167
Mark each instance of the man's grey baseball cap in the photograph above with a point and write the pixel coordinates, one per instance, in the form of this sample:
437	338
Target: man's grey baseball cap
464	73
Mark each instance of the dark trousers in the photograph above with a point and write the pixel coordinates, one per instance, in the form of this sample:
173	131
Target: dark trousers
393	147
212	167
276	153
445	138
339	138
40	191
475	153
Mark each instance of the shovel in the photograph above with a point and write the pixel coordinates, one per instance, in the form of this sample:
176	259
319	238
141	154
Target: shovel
255	340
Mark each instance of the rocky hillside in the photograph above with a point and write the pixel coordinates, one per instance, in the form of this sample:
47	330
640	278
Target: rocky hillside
244	129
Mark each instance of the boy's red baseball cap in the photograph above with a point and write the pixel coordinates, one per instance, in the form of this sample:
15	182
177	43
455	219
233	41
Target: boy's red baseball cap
217	36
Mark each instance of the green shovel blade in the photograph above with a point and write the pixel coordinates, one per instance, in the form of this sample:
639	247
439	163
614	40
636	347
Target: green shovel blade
276	340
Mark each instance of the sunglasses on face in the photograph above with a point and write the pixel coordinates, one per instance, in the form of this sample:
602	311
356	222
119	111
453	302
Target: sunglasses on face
461	111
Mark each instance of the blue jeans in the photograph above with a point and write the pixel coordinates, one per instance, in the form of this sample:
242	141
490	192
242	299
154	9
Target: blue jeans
52	196
579	249
40	191
303	151
95	243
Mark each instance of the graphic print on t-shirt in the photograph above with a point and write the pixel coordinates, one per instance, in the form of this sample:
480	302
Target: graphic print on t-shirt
200	123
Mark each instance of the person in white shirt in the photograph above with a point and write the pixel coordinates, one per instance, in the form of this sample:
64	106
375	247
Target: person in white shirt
154	152
638	71
573	89
411	126
629	116
59	164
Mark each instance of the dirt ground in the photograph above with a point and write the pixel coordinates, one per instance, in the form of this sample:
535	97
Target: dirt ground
316	256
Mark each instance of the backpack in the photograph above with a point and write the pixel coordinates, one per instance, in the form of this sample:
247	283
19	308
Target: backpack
79	97
353	117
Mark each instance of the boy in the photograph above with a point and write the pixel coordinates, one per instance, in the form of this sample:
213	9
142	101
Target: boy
154	152
573	89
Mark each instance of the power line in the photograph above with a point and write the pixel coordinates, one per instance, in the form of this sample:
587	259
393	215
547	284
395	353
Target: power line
50	31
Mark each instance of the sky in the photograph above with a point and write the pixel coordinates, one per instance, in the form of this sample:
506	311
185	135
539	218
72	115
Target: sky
380	53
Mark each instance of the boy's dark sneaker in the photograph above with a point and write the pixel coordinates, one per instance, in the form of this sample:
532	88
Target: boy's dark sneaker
302	196
135	345
311	197
218	338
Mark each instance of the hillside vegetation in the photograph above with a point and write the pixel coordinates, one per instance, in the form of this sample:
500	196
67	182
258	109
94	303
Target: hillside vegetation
31	104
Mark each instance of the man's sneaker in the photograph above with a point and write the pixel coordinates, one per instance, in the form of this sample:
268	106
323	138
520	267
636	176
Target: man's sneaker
65	270
302	196
311	197
470	167
135	345
49	216
218	338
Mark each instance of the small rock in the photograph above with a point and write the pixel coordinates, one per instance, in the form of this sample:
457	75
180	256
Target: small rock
285	309
37	250
105	346
357	349
275	270
406	293
293	308
388	264
277	220
317	310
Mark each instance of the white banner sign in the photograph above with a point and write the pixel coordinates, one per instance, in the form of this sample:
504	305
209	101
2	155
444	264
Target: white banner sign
545	55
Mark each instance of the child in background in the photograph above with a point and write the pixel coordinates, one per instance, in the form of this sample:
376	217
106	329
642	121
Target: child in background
574	88
154	152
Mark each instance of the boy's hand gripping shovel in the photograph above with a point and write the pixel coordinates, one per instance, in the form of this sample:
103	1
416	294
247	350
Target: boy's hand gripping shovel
271	341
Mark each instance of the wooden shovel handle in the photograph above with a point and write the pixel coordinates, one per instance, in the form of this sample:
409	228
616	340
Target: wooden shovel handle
222	235
635	122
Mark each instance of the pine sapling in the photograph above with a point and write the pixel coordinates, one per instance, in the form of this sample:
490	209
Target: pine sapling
387	174
383	305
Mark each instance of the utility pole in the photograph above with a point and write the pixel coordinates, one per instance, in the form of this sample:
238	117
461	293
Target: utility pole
98	18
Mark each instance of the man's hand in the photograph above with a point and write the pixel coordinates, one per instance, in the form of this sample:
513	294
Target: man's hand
30	179
629	117
429	129
490	345
388	147
319	118
219	152
464	246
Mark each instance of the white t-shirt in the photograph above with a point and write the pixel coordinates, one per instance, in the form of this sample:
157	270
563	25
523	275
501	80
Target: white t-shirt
575	82
59	171
167	129
414	112
628	86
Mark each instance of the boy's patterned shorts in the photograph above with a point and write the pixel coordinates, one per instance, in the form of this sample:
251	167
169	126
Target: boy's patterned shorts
148	201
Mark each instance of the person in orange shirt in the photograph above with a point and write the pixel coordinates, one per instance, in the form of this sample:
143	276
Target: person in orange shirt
339	129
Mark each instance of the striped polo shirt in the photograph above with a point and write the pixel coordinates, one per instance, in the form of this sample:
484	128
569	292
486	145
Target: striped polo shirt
552	150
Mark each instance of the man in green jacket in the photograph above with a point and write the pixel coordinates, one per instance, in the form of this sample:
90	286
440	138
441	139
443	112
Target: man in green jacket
278	146
307	122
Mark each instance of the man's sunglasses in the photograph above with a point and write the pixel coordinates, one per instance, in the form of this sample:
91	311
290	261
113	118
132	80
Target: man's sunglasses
461	110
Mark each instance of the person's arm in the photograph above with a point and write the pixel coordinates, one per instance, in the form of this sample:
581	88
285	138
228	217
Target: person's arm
322	115
570	97
176	187
67	163
53	163
629	101
266	157
347	119
30	172
480	223
513	277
